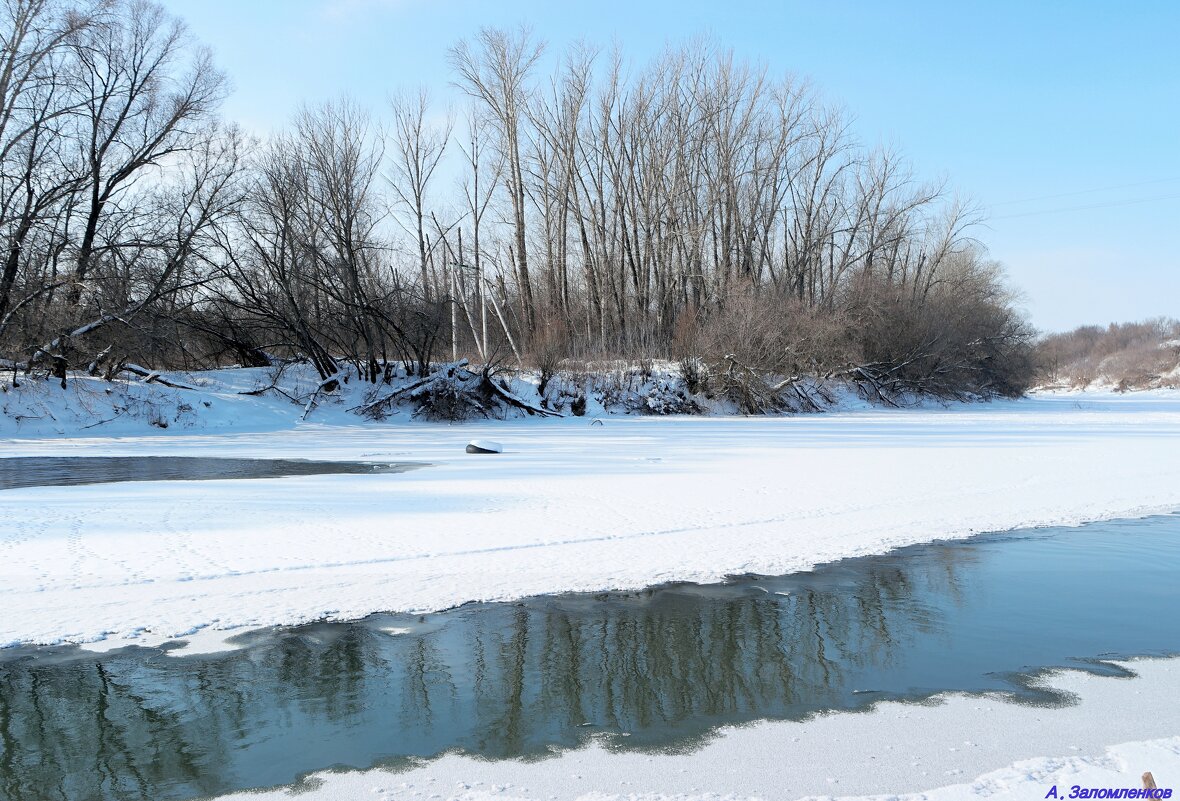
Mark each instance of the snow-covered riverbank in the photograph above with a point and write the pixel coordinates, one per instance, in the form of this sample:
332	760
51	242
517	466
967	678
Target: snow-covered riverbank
570	505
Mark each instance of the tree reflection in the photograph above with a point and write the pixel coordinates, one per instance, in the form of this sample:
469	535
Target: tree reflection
507	680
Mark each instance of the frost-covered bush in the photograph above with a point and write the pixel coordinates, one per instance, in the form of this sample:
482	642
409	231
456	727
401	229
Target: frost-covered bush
668	396
1127	356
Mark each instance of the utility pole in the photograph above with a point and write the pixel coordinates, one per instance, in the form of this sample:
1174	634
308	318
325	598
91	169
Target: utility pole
454	315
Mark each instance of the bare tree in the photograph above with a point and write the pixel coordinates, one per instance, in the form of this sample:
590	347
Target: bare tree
478	187
343	163
150	282
418	147
38	96
271	271
148	93
495	71
696	208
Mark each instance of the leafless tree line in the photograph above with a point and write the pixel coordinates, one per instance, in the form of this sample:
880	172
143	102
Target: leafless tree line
115	178
1125	355
696	209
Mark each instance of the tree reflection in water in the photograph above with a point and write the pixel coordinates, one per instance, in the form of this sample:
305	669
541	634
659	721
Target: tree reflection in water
664	667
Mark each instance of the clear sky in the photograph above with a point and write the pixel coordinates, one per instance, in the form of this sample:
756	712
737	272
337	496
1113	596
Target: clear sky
1061	118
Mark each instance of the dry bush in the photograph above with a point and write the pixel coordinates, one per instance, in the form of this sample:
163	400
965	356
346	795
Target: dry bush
776	334
687	344
549	346
447	401
761	344
1128	355
959	339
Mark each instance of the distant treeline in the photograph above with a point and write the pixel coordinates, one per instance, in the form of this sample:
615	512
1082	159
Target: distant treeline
1128	356
696	209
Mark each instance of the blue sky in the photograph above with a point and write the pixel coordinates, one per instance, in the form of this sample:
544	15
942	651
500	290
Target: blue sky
1060	118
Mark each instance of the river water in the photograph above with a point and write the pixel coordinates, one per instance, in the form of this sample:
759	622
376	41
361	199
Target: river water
658	669
64	471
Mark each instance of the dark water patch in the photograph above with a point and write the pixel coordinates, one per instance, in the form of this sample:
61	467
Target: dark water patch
658	669
65	471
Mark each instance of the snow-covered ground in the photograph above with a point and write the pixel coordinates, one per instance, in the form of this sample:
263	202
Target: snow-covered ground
961	749
570	505
591	503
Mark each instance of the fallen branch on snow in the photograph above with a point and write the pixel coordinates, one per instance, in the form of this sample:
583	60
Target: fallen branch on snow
154	377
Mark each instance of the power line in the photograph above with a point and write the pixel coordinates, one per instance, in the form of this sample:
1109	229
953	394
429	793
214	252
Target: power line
1086	208
1085	192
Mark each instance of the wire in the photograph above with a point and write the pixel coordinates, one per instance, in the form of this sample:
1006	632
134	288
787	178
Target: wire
1086	208
1085	192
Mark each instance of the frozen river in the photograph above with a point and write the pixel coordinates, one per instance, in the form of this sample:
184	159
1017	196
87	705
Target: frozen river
627	504
659	669
576	507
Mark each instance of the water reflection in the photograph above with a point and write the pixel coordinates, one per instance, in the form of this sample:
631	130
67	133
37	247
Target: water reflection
663	667
66	471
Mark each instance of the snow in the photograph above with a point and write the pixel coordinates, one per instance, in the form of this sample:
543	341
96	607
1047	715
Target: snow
598	502
961	747
93	407
570	505
270	399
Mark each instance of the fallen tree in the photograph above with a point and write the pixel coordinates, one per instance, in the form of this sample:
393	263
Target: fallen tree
451	392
